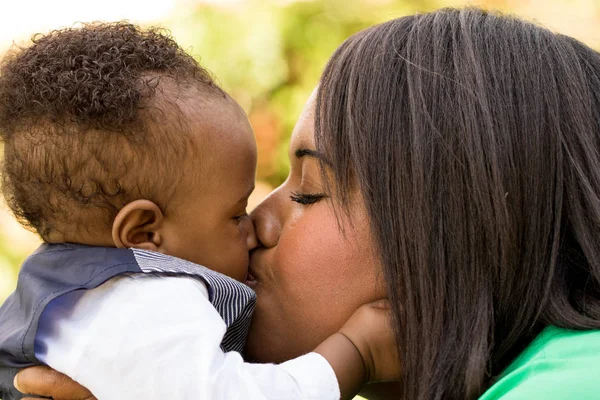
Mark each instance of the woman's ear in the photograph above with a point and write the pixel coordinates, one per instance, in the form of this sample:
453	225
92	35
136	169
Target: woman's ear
138	225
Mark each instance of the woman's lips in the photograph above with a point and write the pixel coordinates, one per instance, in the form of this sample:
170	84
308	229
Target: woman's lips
252	279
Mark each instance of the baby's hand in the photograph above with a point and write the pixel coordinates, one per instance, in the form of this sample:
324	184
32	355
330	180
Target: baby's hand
370	331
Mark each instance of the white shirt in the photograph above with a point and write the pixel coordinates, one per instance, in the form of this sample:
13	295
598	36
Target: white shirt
149	337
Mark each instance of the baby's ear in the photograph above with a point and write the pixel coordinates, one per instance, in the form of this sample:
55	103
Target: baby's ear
138	225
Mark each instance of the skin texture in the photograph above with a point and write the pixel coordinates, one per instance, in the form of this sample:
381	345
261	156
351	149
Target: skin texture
205	221
309	276
312	270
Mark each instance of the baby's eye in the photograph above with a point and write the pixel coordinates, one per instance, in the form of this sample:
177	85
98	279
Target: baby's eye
306	198
241	217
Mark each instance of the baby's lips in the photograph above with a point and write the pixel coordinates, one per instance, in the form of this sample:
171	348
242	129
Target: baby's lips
250	279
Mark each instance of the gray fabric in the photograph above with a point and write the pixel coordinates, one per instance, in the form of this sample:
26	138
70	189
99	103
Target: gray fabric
52	271
7	391
57	269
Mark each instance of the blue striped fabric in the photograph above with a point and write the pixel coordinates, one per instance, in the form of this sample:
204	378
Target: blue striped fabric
233	300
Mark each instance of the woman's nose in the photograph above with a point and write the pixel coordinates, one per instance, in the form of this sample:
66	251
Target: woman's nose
267	220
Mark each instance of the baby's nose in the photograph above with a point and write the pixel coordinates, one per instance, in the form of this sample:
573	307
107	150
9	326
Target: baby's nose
251	239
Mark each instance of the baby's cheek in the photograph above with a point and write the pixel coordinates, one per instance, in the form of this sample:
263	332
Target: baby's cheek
238	259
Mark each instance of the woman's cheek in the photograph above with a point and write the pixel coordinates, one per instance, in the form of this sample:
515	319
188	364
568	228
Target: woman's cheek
319	278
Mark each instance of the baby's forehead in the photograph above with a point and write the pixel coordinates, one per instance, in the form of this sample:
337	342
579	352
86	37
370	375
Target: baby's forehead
216	128
220	149
205	120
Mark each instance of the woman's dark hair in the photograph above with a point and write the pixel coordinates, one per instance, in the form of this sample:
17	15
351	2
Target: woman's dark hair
475	141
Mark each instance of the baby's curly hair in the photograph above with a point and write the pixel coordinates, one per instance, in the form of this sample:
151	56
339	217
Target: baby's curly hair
79	118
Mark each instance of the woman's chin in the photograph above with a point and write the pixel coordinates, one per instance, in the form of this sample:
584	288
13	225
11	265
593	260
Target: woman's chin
257	350
264	343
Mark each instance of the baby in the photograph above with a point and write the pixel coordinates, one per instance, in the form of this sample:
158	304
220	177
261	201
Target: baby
135	168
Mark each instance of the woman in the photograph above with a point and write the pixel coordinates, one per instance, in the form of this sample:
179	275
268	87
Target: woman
450	161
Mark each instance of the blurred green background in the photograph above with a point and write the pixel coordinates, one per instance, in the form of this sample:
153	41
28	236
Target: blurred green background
267	54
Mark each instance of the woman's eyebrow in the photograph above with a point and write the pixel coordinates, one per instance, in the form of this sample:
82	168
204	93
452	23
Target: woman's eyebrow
305	152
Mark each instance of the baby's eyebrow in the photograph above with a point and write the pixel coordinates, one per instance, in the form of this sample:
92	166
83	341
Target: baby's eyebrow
246	195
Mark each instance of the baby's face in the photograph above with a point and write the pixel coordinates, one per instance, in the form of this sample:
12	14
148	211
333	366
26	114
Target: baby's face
206	220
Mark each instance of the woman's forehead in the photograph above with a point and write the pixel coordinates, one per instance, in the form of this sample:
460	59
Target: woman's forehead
303	135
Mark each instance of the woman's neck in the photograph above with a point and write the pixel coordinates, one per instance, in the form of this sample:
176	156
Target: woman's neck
382	391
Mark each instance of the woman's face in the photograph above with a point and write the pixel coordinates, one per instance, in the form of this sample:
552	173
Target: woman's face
309	276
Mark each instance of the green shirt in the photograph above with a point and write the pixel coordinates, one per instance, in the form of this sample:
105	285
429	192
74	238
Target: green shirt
558	364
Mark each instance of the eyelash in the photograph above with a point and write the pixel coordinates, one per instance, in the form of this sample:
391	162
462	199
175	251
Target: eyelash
305	198
241	217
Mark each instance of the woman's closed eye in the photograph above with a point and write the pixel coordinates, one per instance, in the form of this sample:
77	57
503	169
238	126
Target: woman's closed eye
307	198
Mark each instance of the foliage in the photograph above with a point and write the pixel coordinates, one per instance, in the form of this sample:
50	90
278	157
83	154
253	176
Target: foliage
268	54
269	57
